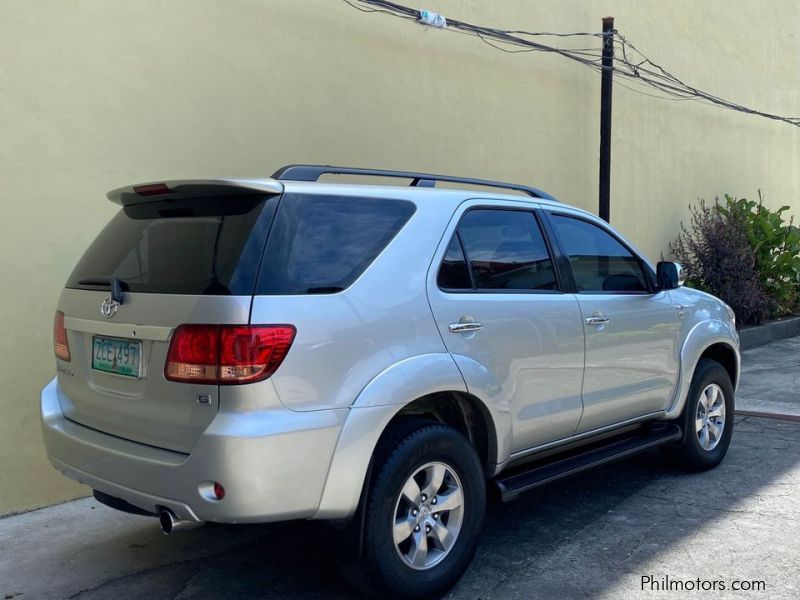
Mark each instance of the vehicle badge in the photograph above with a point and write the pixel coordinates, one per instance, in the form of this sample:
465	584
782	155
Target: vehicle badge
109	308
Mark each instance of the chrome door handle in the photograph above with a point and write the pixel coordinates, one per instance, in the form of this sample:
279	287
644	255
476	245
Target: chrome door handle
464	327
597	320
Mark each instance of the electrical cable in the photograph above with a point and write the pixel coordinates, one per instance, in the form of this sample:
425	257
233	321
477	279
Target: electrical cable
629	62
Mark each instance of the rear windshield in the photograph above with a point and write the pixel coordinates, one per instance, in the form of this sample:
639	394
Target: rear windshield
200	246
321	244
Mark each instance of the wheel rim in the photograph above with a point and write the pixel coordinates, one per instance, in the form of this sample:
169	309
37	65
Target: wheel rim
710	417
428	515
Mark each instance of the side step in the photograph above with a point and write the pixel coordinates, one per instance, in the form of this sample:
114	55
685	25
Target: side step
557	467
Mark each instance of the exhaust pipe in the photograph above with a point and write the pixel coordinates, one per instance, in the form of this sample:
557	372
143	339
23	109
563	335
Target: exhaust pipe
170	523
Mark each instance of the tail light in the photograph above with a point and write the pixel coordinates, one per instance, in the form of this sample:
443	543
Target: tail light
194	354
227	354
60	342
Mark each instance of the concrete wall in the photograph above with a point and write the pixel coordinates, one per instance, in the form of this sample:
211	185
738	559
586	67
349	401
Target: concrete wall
94	95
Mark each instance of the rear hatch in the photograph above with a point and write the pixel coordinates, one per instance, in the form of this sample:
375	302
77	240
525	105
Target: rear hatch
175	253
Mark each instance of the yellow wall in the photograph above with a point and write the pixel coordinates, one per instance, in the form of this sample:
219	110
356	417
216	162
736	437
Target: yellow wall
97	94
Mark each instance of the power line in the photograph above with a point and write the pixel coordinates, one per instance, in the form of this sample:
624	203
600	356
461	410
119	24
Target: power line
629	62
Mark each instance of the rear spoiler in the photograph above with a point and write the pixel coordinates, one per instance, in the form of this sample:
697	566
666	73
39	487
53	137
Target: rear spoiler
191	188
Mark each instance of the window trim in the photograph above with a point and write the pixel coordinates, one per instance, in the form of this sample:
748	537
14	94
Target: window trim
533	211
461	245
646	270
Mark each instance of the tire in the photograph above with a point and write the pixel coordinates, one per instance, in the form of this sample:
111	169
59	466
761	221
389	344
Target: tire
699	450
419	450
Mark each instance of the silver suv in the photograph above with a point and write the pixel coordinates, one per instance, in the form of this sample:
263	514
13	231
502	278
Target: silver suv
242	351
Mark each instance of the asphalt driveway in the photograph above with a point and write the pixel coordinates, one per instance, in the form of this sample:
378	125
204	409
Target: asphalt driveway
594	536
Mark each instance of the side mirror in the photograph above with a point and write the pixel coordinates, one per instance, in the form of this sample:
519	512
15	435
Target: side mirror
669	275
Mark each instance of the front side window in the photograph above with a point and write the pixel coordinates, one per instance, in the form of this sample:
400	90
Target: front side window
600	263
505	250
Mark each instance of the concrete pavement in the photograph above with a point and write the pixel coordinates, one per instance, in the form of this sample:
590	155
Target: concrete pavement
770	380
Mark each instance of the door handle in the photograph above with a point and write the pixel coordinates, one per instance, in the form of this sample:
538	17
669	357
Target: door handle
597	320
464	327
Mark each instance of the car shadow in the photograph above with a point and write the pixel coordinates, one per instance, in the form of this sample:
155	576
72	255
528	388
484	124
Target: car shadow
576	538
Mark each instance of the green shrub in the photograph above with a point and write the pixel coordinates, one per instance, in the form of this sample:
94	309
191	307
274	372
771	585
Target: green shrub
776	244
744	253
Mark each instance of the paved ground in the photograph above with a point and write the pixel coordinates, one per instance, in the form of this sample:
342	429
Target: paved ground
771	378
593	536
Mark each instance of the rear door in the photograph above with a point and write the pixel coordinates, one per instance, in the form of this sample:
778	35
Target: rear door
631	328
498	303
189	257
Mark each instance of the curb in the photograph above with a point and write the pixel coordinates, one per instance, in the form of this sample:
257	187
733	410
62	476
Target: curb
766	415
758	335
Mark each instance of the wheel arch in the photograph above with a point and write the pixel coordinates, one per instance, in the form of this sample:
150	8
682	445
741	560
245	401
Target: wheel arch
715	340
462	411
724	354
429	386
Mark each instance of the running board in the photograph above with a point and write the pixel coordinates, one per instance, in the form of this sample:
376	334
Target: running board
557	467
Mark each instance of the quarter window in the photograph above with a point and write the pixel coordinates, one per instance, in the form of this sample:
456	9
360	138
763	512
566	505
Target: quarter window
322	244
505	250
600	263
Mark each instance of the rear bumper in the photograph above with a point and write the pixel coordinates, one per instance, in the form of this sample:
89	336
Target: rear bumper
272	463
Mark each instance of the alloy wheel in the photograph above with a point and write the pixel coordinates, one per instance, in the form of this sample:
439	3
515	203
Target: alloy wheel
710	417
428	515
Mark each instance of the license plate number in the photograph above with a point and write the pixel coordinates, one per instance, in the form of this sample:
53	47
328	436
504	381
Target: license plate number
113	355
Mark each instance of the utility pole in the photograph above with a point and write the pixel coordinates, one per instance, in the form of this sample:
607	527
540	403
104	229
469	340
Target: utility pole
606	82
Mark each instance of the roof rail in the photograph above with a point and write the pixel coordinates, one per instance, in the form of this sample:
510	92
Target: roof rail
314	172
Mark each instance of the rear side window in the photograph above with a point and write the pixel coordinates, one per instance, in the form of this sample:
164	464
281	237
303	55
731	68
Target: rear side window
197	246
322	244
600	263
505	250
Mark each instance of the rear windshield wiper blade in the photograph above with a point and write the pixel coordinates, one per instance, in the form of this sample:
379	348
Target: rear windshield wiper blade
115	284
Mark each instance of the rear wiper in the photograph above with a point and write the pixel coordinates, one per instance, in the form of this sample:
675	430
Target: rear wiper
114	283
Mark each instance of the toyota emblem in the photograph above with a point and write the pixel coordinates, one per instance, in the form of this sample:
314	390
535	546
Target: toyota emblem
109	308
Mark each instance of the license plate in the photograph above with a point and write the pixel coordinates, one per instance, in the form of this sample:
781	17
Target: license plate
117	356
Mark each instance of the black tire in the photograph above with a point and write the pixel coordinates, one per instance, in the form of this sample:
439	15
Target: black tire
406	447
689	453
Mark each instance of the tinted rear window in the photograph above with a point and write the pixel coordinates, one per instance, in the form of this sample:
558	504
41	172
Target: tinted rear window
321	244
202	246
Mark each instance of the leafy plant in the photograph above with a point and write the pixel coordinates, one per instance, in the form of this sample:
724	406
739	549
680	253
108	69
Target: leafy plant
776	245
717	257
